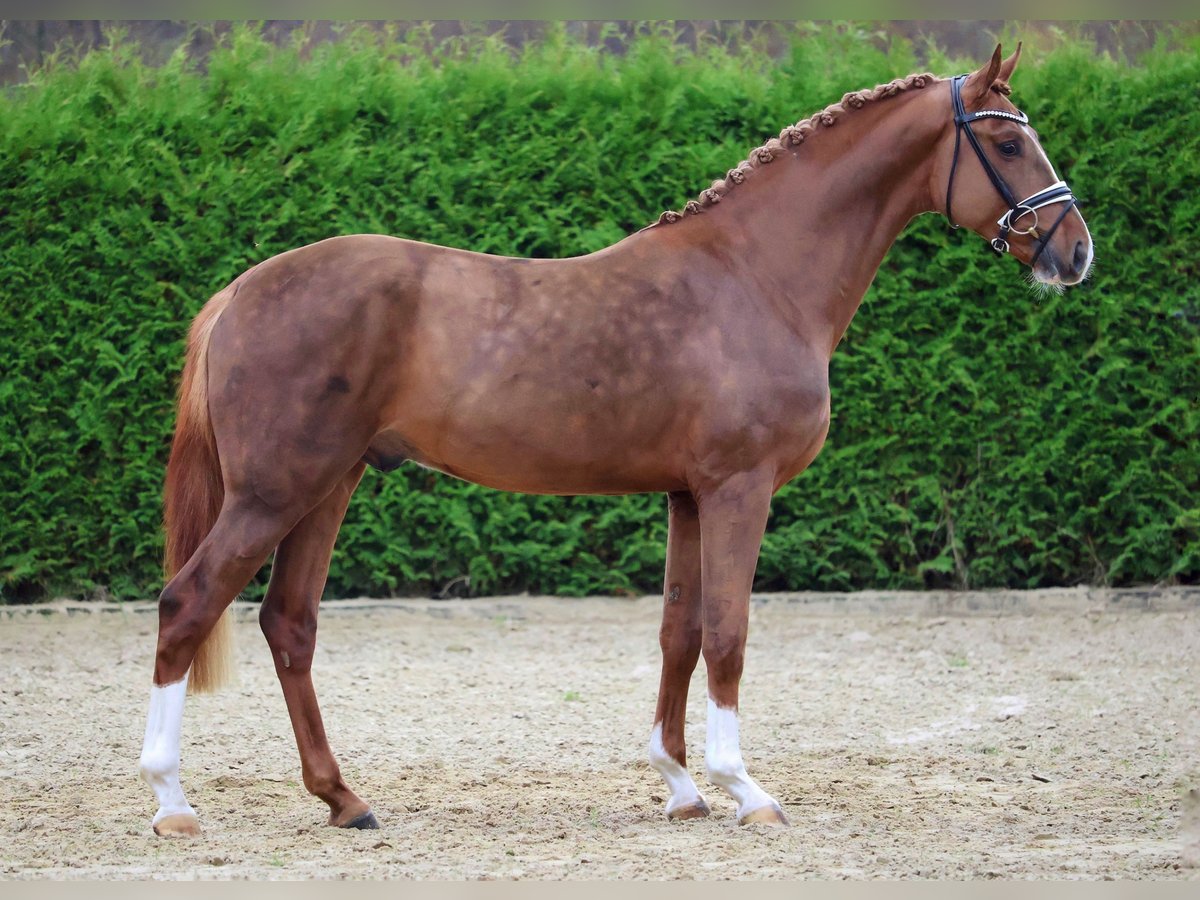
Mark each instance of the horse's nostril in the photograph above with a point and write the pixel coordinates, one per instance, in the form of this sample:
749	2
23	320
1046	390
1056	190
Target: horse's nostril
1080	259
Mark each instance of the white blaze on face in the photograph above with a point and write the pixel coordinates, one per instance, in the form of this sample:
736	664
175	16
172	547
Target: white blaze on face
1034	142
160	749
723	758
679	782
1042	153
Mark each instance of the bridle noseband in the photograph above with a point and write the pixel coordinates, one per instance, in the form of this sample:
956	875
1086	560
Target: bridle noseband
1017	209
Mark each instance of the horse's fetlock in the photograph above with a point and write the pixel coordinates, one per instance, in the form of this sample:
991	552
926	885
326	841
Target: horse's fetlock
659	757
724	770
156	764
324	784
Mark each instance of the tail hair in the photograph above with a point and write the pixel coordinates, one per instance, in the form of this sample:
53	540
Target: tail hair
194	492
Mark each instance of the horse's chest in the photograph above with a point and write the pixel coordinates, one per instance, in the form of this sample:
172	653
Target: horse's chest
802	416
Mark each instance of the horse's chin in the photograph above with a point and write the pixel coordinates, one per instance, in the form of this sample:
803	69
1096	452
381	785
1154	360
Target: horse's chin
1045	272
1045	279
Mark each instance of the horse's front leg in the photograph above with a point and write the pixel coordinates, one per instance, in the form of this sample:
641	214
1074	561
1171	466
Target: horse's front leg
680	639
733	516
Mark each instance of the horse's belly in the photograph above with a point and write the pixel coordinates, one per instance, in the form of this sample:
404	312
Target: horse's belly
537	453
576	480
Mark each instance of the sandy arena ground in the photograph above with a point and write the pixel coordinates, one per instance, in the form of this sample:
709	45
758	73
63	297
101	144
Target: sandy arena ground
1011	735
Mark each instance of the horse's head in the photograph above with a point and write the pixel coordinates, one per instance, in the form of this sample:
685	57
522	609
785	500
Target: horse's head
999	183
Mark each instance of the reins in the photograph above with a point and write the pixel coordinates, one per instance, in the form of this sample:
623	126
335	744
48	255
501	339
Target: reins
1017	209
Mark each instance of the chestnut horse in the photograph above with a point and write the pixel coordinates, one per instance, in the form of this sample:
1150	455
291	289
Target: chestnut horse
690	358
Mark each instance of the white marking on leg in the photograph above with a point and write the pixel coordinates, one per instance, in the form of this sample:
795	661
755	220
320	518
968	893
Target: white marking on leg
160	750
679	782
723	758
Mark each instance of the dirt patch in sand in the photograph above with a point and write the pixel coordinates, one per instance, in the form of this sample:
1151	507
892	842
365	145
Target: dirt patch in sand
1045	735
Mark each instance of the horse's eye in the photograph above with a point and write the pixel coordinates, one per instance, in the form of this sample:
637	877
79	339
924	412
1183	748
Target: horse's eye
1010	148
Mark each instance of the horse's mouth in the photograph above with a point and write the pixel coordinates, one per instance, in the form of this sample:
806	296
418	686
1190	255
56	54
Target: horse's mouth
1045	272
1050	272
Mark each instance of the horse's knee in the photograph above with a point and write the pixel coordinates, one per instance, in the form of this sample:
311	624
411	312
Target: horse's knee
680	648
724	659
682	629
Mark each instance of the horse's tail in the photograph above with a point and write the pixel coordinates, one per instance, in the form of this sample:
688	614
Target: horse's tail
194	492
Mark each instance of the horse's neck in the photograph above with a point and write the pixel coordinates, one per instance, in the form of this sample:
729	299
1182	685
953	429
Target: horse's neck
814	228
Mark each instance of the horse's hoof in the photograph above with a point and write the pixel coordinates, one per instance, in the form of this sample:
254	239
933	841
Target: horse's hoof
764	815
697	810
365	822
178	825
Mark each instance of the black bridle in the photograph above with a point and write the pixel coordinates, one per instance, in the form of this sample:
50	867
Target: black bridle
1017	209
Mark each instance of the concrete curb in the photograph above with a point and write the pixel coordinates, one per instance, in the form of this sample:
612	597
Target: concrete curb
1047	601
1077	600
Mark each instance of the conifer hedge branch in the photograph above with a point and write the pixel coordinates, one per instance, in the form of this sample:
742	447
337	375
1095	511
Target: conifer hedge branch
982	435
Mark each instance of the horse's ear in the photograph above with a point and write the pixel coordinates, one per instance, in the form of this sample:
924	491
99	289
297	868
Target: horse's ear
1009	65
976	88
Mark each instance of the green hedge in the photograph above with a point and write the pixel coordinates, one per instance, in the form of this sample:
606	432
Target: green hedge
983	435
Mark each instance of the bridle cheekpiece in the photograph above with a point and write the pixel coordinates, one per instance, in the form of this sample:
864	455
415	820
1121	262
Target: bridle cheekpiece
1017	209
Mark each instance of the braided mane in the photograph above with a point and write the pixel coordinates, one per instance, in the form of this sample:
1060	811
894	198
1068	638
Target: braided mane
792	136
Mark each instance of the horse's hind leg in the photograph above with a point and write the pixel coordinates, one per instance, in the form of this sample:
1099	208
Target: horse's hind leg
244	534
289	622
733	516
680	639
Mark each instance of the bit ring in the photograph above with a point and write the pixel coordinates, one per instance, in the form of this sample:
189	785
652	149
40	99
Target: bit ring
1018	213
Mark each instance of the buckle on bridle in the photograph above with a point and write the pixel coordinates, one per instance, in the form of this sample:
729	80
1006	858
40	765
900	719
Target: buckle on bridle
1000	245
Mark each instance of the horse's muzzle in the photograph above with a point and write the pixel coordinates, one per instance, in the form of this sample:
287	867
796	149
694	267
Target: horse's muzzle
1053	268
